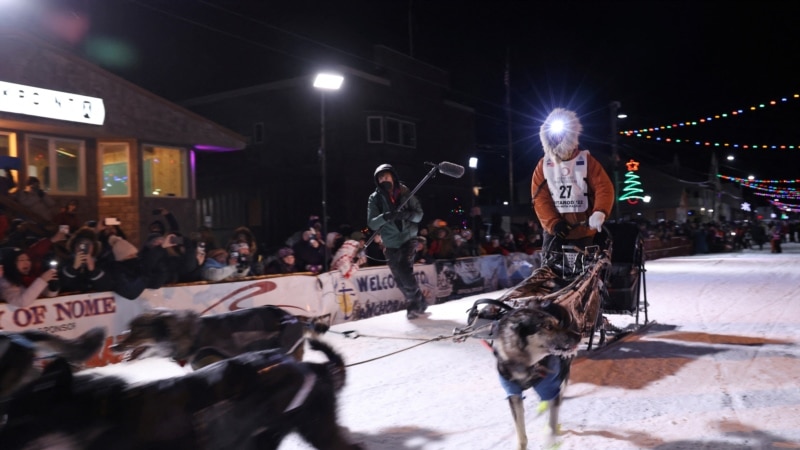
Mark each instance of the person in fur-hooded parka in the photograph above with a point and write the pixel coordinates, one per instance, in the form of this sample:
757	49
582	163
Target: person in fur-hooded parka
572	193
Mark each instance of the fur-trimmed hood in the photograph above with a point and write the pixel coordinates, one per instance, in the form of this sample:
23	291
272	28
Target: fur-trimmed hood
561	145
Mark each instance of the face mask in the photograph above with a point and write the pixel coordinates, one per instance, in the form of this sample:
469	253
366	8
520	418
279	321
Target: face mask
386	185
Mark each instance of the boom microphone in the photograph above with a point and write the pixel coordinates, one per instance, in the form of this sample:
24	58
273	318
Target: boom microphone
450	169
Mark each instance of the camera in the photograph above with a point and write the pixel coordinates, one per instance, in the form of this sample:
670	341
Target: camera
201	247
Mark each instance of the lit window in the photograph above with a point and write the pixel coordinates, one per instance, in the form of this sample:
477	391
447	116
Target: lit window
115	163
165	172
58	163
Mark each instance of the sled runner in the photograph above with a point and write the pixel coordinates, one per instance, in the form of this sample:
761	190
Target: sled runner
587	282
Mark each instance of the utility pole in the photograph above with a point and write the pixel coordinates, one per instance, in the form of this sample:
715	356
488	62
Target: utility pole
615	106
507	82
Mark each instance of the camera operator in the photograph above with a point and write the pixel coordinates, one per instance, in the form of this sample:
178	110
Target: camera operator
82	272
239	256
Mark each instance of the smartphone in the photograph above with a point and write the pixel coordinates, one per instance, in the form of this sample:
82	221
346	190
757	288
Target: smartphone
112	221
54	264
63	229
83	247
175	240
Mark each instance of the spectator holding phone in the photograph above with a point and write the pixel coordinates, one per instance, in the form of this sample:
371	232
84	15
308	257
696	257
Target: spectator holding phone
82	271
22	282
68	216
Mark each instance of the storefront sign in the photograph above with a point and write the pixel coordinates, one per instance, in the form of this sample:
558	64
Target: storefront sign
33	101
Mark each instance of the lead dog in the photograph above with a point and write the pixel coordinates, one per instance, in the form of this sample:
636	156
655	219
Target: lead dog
20	353
201	340
248	402
534	349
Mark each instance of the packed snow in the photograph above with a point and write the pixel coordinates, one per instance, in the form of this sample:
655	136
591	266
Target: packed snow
716	367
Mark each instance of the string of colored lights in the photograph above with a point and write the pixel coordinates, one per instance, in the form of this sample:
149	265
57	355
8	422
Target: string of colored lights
648	133
786	207
773	195
747	180
765	188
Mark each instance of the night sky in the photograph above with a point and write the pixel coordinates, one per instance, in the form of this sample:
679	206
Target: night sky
664	61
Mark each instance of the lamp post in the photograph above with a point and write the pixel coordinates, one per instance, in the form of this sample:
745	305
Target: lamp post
615	106
325	82
473	164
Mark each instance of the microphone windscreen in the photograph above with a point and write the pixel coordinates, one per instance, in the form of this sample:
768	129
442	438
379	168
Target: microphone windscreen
451	169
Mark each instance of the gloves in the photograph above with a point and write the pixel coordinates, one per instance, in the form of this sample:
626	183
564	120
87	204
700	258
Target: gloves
596	220
561	230
389	216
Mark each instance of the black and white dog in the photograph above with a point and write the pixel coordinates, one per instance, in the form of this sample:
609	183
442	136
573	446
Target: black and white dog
534	347
247	402
184	335
21	352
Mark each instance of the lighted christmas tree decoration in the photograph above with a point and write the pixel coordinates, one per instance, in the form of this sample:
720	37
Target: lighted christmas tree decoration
632	191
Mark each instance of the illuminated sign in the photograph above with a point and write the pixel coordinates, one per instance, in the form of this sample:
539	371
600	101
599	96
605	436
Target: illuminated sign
33	101
632	192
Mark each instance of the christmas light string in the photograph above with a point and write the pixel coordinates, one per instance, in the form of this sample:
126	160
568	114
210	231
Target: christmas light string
765	188
647	133
746	180
785	207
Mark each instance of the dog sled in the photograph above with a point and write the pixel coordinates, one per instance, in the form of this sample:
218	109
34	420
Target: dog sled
604	278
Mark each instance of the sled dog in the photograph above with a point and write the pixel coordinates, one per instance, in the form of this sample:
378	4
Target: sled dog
184	335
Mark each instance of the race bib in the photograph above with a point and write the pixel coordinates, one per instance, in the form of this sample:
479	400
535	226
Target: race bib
567	183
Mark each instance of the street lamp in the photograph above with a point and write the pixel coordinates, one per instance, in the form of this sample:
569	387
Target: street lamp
615	115
325	81
473	164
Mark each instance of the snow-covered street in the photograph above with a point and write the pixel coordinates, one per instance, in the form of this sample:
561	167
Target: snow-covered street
716	368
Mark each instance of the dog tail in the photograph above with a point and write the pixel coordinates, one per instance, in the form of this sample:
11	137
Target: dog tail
74	350
335	364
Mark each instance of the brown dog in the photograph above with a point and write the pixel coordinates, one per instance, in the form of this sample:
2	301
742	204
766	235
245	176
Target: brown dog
534	349
184	335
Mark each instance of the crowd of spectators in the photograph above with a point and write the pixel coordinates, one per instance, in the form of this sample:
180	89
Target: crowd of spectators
96	256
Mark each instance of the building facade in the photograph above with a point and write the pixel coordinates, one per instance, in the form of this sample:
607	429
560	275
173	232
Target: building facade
91	136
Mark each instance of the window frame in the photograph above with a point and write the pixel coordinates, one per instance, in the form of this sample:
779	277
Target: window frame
52	155
370	138
101	168
186	163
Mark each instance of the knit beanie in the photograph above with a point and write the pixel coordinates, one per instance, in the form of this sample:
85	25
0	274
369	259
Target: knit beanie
122	249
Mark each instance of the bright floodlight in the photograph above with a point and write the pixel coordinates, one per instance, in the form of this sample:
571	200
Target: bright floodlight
473	162
330	81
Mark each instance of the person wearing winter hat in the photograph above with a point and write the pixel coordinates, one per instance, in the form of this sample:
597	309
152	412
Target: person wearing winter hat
398	229
127	268
219	266
572	193
82	271
284	263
